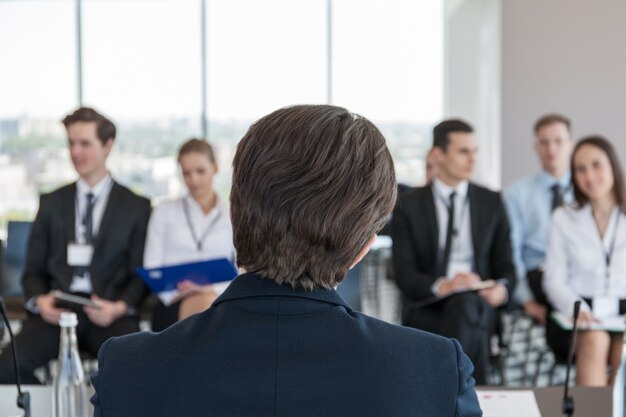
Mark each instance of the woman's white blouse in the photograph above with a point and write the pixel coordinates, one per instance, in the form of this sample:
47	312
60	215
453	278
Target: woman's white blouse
169	240
576	265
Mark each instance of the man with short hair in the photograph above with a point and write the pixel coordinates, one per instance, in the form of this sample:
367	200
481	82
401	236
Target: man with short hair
530	202
311	187
448	236
87	239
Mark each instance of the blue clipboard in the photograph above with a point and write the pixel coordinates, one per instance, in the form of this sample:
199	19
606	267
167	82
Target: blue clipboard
207	272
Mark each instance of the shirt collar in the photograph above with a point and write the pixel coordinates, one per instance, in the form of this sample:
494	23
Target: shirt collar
252	285
548	180
444	190
83	188
220	206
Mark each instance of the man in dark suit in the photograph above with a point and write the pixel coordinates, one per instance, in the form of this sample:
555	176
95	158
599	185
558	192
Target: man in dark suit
87	239
311	187
448	236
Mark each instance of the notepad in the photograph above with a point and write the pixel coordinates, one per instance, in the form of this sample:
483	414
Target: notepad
166	278
74	300
481	285
504	403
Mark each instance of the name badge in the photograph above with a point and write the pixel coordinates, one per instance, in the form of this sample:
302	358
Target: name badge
79	254
605	306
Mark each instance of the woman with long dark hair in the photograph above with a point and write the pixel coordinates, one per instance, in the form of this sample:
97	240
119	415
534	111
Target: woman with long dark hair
586	258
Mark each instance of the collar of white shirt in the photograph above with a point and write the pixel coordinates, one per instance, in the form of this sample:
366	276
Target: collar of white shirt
219	208
443	190
83	188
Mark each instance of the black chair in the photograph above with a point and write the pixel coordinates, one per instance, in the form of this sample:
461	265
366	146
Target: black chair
14	257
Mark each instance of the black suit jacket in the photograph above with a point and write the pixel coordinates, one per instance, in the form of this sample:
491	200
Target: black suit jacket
415	237
118	248
264	349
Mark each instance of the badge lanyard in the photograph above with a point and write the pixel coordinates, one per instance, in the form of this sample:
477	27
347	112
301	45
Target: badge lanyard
608	254
197	241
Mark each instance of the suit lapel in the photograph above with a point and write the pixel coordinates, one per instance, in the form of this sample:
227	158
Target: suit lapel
108	217
68	219
431	219
69	214
476	219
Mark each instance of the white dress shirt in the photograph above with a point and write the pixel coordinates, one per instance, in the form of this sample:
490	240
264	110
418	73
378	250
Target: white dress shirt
462	249
170	241
576	260
101	192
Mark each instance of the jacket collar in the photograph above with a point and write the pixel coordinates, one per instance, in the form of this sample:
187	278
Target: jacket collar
251	285
443	190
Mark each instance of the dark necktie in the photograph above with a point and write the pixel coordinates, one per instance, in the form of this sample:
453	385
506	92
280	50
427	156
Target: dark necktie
449	236
88	219
87	223
557	196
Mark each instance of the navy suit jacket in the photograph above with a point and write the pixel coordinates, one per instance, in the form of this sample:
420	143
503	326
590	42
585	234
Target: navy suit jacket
264	349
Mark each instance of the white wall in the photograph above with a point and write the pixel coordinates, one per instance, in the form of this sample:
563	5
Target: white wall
567	56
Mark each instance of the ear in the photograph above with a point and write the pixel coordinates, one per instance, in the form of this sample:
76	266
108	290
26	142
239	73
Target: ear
438	153
108	145
364	251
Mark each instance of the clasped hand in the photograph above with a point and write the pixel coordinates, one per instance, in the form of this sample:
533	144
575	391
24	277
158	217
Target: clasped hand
106	312
103	316
186	288
494	296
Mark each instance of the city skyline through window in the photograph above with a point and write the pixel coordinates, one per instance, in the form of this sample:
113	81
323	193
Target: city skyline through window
142	67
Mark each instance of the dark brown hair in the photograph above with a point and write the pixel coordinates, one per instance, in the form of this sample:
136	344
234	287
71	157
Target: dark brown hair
619	185
311	185
441	132
552	118
199	146
105	127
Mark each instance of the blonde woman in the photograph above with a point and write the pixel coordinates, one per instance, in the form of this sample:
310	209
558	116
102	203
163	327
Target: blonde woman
193	228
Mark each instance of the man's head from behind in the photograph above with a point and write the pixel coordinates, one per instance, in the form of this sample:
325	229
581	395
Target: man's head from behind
455	150
90	137
553	143
311	187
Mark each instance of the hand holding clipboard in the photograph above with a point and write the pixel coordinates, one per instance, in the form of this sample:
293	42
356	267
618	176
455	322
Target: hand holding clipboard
167	278
478	286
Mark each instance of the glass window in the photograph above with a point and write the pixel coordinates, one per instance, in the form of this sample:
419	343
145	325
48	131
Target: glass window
142	68
388	66
37	87
262	55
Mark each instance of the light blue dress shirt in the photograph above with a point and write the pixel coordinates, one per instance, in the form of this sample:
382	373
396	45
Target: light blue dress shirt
529	204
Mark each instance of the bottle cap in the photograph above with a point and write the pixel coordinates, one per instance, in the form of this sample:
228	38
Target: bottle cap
68	320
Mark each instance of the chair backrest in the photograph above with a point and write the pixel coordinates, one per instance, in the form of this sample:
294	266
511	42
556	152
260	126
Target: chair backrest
14	257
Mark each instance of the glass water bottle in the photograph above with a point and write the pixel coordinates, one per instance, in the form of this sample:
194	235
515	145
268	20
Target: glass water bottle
69	388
